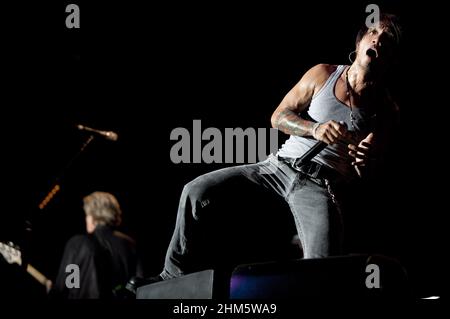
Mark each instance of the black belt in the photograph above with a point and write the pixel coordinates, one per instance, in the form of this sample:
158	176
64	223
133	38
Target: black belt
314	170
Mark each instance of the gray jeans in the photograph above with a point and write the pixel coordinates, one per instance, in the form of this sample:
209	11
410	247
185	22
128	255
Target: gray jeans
313	204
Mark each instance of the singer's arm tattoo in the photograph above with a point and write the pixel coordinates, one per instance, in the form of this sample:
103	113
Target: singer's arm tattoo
290	123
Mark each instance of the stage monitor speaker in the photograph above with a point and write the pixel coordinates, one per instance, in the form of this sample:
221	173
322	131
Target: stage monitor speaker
360	276
206	284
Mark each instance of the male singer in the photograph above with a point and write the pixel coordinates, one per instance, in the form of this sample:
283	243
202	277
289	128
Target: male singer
346	107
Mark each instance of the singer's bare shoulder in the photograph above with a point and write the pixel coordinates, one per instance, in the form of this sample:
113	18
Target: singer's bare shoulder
310	83
300	96
316	76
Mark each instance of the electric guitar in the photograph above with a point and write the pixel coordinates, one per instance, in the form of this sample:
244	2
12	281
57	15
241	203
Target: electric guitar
13	255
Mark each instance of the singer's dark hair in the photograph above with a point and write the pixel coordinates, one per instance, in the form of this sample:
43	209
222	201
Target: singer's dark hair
391	23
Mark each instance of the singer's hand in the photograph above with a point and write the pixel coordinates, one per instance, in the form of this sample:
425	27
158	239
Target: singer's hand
361	153
331	132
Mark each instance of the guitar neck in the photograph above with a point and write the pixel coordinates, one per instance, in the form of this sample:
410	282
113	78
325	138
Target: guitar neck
38	276
14	256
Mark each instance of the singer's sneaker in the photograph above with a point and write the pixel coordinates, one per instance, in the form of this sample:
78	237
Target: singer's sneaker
135	282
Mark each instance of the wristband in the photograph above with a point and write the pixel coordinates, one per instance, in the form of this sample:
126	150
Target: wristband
314	129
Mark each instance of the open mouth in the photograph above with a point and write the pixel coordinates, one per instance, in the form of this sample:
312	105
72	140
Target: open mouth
372	53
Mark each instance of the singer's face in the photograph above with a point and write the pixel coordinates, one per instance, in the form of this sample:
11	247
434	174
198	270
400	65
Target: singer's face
90	224
376	47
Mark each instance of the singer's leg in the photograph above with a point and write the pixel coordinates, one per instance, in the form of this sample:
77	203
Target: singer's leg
203	197
317	218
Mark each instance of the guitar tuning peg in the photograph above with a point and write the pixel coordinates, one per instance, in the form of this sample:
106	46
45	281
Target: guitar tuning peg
12	245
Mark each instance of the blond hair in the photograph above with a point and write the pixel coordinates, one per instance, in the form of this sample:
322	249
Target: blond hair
104	208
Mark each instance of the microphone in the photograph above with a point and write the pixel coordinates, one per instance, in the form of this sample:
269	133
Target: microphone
372	53
109	135
313	151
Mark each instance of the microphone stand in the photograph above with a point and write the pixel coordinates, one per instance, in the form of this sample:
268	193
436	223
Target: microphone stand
50	195
56	188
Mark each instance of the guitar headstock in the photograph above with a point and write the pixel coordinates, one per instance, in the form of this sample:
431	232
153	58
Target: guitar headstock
11	253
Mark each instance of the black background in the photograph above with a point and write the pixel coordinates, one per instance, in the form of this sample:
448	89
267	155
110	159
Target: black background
143	70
